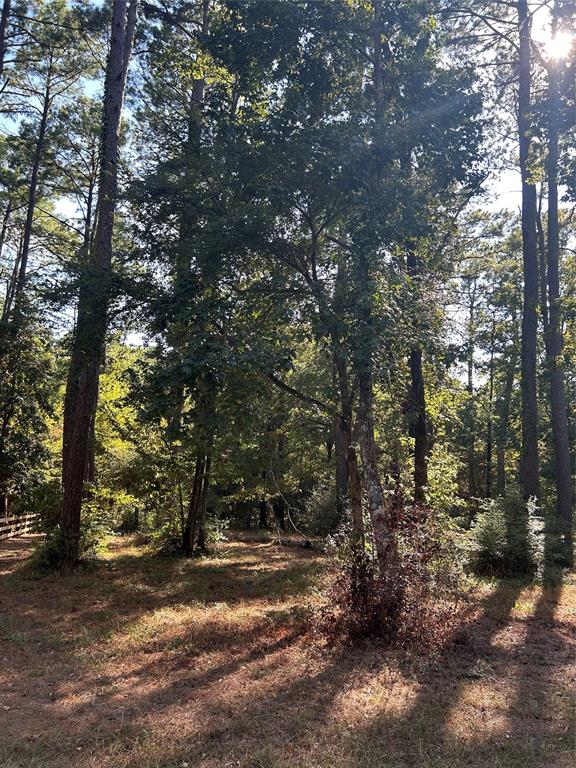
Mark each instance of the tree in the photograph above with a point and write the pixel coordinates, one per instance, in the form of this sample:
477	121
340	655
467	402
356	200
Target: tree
96	289
554	336
529	463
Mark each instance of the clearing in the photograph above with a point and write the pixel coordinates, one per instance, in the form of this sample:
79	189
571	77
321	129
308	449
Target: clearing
167	663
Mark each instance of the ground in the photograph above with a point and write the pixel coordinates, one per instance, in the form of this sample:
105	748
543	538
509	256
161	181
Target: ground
167	663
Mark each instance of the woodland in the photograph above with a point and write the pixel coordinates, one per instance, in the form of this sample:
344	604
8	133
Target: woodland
287	383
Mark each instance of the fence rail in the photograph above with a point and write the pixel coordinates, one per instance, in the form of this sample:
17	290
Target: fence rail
14	526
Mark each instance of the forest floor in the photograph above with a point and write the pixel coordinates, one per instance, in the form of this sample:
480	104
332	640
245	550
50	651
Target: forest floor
169	663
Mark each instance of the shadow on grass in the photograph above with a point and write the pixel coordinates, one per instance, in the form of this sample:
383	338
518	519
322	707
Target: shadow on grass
265	700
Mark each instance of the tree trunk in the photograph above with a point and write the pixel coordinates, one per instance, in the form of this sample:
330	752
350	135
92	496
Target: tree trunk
471	449
4	18
202	549
353	480
542	267
11	287
194	538
503	421
341	451
554	337
190	528
5	221
95	292
529	461
17	293
490	425
419	426
263	514
380	510
279	506
418	422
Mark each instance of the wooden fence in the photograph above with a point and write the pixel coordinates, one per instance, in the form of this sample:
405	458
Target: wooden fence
14	526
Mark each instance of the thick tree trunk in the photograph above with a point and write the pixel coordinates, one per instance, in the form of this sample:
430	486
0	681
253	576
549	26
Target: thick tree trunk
194	538
529	461
554	337
95	292
353	480
381	512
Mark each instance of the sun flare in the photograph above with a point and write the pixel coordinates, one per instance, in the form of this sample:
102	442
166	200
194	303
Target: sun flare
560	46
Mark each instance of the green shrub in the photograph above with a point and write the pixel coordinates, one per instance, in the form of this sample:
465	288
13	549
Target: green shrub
167	538
504	538
49	554
44	498
320	516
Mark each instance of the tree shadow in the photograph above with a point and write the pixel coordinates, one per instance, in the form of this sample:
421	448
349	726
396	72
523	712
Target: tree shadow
222	694
541	713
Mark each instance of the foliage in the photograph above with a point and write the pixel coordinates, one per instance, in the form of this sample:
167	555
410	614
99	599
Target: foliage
504	538
320	516
426	581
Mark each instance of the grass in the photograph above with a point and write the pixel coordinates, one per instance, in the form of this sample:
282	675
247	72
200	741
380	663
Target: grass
167	663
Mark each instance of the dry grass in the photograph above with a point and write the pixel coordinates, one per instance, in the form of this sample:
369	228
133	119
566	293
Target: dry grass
160	663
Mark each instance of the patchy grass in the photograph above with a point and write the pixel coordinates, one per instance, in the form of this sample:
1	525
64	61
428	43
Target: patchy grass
166	663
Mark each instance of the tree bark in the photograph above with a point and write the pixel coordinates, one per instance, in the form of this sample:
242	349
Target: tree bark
202	548
341	451
418	418
503	421
380	510
554	337
529	461
263	514
471	447
353	480
95	292
4	18
17	293
279	513
490	424
419	426
189	533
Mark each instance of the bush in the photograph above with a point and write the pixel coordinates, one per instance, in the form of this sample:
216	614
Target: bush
320	516
216	527
504	538
99	516
46	499
413	606
443	491
167	539
49	555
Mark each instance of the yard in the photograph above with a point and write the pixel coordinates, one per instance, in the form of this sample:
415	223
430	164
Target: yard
166	662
